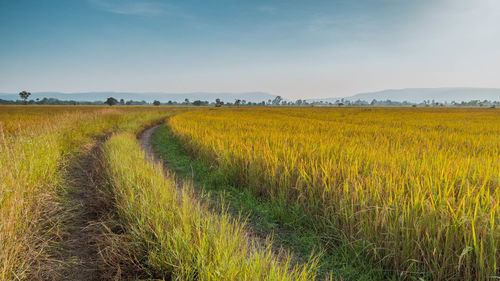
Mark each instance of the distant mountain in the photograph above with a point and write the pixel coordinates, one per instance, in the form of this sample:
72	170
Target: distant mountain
416	95
149	97
421	94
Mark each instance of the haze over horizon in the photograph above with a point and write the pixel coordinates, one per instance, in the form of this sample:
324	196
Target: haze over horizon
290	48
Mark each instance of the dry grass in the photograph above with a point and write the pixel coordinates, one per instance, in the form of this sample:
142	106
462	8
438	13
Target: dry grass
421	185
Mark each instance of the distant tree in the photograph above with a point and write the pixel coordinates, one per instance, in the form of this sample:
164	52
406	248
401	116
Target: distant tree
186	101
237	102
156	103
277	100
111	101
24	95
122	102
218	103
170	102
129	102
197	102
340	104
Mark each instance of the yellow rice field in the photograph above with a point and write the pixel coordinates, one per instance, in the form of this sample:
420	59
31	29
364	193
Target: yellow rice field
420	184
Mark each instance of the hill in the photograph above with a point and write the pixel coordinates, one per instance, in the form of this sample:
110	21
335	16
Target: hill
420	94
437	94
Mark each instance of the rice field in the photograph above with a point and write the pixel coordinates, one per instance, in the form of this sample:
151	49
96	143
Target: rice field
417	188
419	185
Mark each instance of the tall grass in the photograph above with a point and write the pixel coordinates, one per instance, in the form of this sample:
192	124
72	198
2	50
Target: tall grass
35	145
421	185
174	235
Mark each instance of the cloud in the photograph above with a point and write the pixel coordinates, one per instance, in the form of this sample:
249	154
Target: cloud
138	8
266	9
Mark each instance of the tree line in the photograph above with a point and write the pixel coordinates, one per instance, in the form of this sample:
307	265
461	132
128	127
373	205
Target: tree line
277	101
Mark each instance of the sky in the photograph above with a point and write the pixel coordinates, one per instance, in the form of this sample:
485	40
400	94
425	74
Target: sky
292	48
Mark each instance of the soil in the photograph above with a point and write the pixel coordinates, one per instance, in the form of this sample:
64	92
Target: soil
145	140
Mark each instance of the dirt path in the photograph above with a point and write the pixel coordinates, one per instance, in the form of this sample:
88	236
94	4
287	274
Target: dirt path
145	140
77	256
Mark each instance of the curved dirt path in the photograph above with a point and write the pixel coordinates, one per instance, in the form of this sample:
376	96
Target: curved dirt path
78	256
147	146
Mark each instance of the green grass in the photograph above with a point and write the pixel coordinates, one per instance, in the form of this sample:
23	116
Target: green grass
290	228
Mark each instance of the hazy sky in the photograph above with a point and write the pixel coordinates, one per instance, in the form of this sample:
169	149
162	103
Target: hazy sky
294	48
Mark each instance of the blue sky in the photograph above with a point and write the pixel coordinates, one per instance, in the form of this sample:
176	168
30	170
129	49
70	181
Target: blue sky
297	49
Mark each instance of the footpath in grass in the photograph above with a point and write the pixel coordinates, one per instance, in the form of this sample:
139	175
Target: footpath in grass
287	225
76	256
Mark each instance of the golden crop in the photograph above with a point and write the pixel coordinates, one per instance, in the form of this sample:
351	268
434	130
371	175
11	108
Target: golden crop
420	184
